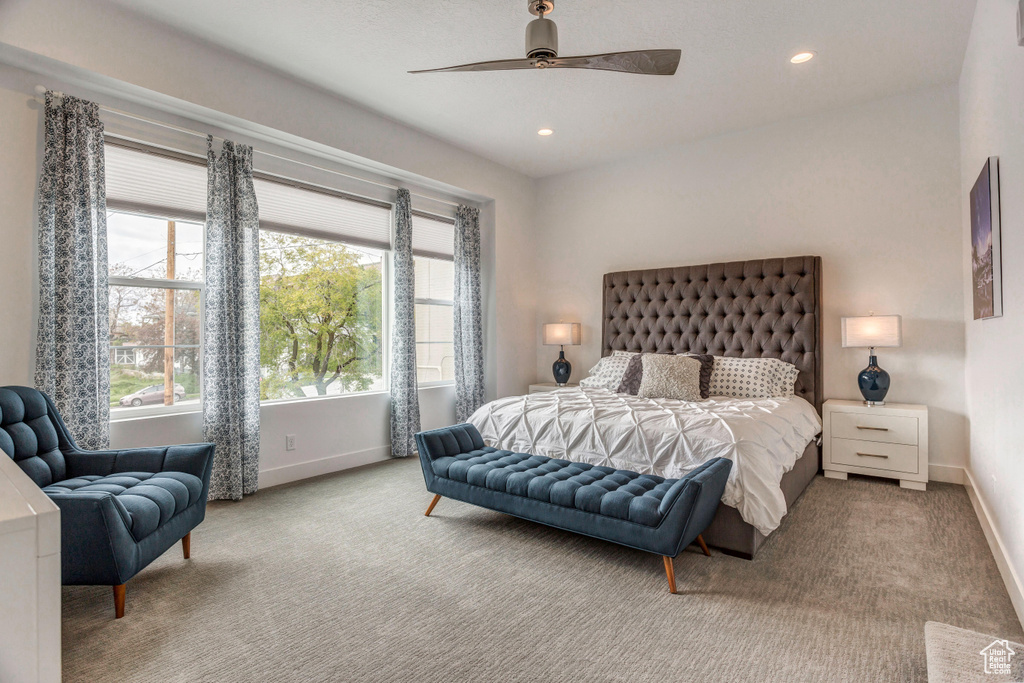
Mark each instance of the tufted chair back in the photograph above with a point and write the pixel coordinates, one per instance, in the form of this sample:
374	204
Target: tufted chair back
33	434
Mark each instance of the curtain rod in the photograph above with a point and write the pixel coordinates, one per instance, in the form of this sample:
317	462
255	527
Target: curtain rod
41	92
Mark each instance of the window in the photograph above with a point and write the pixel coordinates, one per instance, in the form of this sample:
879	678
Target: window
433	246
435	350
322	274
156	271
324	259
156	209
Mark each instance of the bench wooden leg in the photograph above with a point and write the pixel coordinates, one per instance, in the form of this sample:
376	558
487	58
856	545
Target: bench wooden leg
430	508
186	545
670	572
703	545
119	601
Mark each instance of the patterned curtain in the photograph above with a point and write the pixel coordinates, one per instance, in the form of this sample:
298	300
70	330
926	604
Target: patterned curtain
72	344
469	340
405	402
231	331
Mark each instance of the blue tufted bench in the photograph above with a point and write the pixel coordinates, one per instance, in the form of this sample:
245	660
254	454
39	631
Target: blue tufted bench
641	511
119	510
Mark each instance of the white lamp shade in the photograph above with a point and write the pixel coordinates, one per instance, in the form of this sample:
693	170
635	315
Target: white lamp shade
873	330
561	334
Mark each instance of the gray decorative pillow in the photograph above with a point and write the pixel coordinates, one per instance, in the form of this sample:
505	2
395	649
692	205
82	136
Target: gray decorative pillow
753	377
707	366
669	376
630	383
634	374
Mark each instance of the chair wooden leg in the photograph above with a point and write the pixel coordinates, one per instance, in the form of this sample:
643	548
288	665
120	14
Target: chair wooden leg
430	508
119	601
703	545
670	572
186	545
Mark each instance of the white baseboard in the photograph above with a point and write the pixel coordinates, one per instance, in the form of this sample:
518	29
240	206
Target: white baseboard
314	468
949	474
995	543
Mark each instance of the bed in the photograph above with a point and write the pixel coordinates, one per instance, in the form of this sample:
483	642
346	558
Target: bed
759	308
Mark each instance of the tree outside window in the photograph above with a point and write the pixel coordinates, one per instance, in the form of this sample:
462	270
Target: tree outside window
321	317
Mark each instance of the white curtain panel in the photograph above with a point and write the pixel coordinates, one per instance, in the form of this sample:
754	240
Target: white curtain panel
469	343
231	330
405	404
72	351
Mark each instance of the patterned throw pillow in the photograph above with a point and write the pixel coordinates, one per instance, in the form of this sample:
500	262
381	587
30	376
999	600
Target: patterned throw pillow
752	377
707	366
607	374
634	374
669	376
630	383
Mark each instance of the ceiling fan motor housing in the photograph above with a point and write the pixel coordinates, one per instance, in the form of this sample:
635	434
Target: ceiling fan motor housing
541	39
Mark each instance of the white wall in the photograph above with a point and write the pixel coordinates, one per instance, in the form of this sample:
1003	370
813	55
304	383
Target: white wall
992	124
873	189
106	42
21	155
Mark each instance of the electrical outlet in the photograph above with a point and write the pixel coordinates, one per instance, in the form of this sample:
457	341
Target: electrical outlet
289	442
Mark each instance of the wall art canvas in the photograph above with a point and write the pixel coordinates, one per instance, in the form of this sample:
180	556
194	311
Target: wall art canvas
985	256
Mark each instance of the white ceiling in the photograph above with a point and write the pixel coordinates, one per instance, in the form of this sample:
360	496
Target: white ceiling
735	71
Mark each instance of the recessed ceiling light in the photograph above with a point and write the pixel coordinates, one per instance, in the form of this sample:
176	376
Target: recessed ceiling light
545	131
801	57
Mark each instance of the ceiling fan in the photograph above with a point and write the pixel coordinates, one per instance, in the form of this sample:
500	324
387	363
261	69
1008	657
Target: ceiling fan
542	53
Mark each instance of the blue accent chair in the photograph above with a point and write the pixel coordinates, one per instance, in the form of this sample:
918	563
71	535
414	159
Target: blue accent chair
119	510
642	511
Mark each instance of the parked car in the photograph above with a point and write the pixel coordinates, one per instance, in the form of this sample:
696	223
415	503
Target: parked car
153	394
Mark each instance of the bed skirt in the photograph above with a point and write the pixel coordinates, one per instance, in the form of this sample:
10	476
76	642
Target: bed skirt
730	534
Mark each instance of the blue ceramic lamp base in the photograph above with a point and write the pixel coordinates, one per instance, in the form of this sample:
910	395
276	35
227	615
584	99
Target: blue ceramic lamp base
561	369
873	382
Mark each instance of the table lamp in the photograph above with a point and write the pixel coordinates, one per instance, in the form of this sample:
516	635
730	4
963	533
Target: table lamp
562	335
873	331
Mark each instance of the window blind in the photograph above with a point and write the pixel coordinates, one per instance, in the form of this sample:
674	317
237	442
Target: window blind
154	184
433	236
287	208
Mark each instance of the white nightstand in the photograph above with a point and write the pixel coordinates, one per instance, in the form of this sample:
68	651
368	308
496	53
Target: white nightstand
541	387
882	441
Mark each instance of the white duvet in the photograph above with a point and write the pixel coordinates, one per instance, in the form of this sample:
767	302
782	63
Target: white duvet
763	437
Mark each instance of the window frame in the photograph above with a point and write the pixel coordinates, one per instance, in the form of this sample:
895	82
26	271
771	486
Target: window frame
120	413
436	302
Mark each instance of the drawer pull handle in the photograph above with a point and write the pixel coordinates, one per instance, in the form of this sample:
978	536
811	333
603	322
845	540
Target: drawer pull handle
874	429
873	455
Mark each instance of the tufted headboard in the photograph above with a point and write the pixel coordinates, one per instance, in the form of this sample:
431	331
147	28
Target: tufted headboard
769	307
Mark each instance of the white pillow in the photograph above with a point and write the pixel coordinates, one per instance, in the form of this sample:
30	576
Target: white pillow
608	372
752	377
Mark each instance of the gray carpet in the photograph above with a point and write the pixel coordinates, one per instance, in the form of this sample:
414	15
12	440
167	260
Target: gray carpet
342	578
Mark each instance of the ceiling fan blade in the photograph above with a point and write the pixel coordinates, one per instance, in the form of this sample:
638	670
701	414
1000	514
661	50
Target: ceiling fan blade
498	65
654	62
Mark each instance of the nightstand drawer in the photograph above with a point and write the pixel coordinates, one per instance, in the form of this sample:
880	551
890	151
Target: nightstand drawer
882	428
880	456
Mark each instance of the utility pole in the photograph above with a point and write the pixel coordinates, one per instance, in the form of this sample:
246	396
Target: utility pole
169	321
